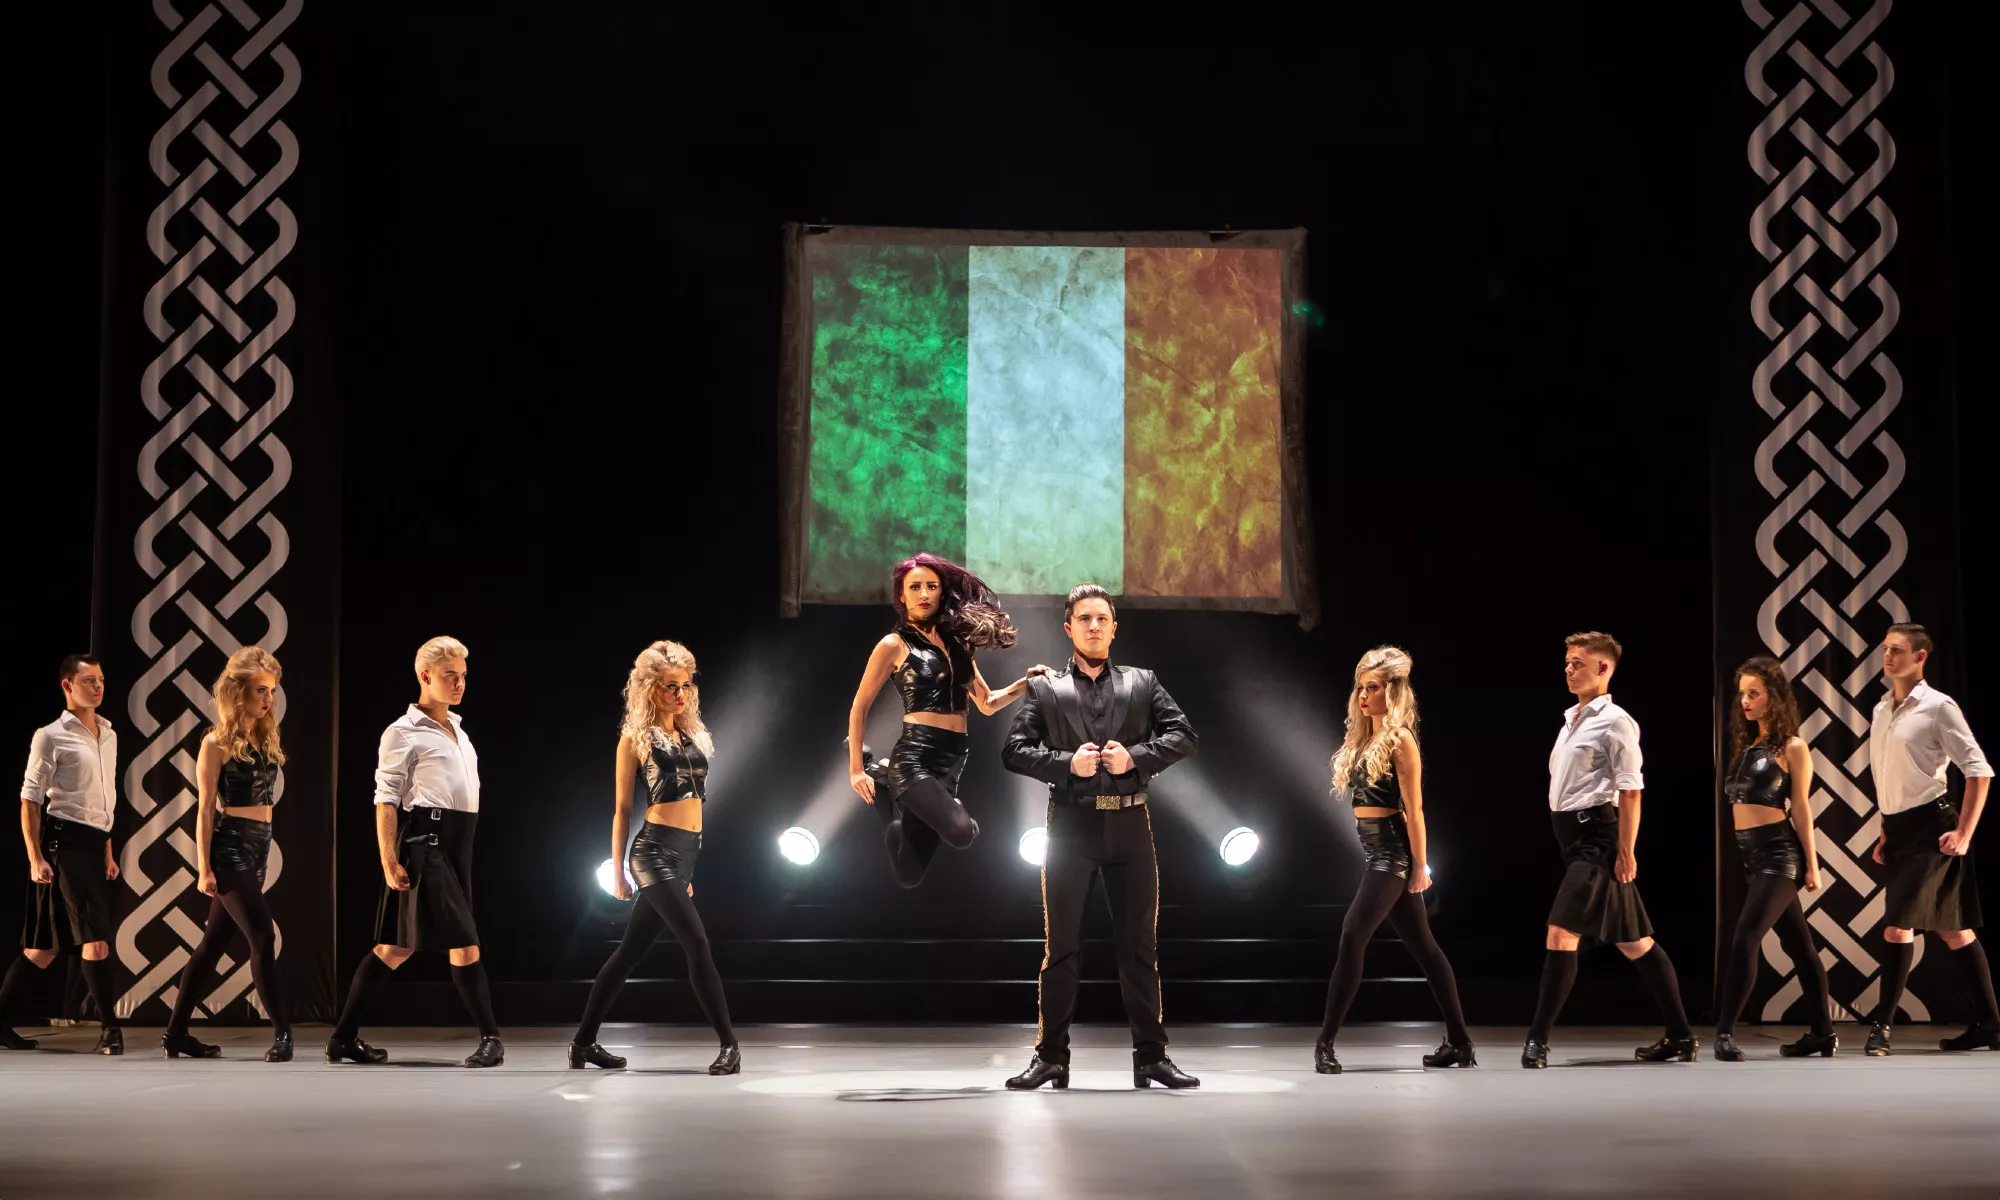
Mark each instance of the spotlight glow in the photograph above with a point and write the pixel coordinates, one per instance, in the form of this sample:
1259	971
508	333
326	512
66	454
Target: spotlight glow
1238	845
607	878
798	846
1035	845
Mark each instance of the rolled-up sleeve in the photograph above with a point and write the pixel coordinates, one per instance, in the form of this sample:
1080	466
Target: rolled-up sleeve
1622	744
394	763
1959	746
41	768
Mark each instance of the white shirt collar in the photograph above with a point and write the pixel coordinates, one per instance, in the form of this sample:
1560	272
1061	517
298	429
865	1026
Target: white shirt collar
69	717
1595	706
1917	693
418	714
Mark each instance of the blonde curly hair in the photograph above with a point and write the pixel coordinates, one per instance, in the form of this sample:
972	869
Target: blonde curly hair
1368	755
642	715
232	696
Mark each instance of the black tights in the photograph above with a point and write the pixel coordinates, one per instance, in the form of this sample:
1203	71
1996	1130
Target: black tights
940	818
1773	900
238	904
661	907
1383	895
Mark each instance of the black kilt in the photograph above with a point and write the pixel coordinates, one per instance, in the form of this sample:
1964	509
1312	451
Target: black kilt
1591	902
75	909
1927	889
435	847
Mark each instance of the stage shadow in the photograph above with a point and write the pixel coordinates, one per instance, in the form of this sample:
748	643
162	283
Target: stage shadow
915	1095
660	1071
1613	1062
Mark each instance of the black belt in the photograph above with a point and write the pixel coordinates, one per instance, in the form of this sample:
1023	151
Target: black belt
1109	803
437	814
1596	812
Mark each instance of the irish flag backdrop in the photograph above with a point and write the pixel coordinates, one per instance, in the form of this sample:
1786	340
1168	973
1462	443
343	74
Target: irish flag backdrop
1046	412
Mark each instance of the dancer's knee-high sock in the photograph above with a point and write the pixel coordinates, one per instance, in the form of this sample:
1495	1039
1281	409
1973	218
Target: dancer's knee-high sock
1971	960
470	980
1558	976
1896	960
368	979
97	977
1656	970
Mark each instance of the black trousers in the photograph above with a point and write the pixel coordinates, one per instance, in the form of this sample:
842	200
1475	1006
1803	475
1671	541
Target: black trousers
1117	844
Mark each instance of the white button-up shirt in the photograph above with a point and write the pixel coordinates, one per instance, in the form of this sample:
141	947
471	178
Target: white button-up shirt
72	773
421	766
1595	758
1910	743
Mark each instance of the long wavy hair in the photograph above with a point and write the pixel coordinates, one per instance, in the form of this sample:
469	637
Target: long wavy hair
1367	755
643	718
232	698
1781	711
967	609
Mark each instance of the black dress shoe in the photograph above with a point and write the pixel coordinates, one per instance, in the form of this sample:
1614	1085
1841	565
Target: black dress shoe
1668	1049
1324	1059
9	1040
1725	1048
111	1041
490	1053
593	1055
1535	1055
1822	1044
1448	1055
1878	1042
728	1062
281	1048
1039	1072
1978	1035
353	1050
184	1045
1164	1073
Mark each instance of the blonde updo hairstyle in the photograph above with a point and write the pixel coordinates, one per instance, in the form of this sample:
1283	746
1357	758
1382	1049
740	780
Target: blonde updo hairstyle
232	697
1367	755
643	718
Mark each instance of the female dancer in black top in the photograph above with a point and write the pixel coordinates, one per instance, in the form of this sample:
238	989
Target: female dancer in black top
664	743
1777	853
238	773
944	615
1380	771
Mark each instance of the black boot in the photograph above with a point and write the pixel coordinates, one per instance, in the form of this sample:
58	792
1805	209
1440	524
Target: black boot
1448	1055
184	1045
1668	1049
1324	1059
1725	1048
353	1050
9	1040
1822	1044
1878	1041
281	1048
1978	1035
1535	1055
1039	1072
111	1041
728	1062
1164	1073
490	1053
593	1055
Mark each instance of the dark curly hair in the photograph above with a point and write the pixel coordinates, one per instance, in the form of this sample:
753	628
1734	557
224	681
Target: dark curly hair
968	609
1781	713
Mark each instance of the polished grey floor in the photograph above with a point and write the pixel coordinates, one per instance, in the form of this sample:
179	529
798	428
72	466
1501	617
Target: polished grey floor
919	1112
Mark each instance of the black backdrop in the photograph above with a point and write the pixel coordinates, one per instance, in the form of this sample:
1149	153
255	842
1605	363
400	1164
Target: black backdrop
547	275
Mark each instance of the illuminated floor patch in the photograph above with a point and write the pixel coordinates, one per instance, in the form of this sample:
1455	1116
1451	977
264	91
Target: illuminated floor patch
952	1085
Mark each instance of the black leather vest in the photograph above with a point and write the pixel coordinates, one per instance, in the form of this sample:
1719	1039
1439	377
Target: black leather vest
675	770
932	680
247	783
1758	778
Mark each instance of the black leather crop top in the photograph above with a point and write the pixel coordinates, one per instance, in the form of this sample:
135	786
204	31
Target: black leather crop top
1383	793
931	680
247	783
1758	778
675	770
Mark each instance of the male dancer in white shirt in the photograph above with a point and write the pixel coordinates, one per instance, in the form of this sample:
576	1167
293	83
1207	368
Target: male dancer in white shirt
1925	841
1594	789
68	799
426	806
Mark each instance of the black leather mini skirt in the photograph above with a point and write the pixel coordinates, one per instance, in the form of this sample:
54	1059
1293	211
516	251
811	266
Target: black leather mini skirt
1771	850
240	846
926	752
664	854
1385	844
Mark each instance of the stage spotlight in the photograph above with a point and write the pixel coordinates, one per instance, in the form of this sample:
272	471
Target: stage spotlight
798	846
607	878
1238	845
1035	845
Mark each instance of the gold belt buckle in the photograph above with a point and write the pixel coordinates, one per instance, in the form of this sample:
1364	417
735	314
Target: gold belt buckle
1107	804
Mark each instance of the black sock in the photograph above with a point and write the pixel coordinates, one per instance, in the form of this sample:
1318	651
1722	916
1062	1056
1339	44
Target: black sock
1656	970
20	976
1896	960
470	980
97	977
1971	959
368	977
1558	976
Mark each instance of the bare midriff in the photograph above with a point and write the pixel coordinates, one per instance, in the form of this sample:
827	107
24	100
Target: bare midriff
952	721
251	812
677	814
1376	812
1753	816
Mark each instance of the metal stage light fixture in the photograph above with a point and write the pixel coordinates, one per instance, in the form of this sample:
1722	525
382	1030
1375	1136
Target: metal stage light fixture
607	878
1035	845
1238	845
798	846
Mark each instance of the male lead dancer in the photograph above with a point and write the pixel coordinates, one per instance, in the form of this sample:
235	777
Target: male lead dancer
1925	842
68	799
1594	790
1097	734
426	806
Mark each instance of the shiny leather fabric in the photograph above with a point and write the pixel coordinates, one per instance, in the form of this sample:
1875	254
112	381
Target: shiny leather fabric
1758	778
248	783
664	854
240	846
926	752
1385	844
675	770
931	680
1383	793
1771	850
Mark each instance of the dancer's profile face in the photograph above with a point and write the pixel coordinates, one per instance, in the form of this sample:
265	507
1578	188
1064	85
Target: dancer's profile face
86	687
922	594
1091	627
1583	671
443	682
1900	660
1373	692
674	692
261	695
1753	695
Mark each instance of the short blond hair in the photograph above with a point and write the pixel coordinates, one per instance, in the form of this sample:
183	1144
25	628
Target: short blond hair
438	649
1592	642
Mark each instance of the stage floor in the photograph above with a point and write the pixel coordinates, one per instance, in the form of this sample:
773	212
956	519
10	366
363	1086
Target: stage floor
822	1111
